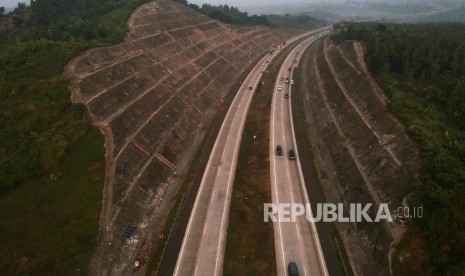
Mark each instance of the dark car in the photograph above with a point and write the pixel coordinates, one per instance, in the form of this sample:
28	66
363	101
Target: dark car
279	150
292	269
250	87
286	96
291	155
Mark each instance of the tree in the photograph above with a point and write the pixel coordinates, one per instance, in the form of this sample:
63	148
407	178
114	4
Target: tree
17	22
2	10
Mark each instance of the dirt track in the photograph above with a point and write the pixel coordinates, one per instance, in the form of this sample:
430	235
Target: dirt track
361	152
153	97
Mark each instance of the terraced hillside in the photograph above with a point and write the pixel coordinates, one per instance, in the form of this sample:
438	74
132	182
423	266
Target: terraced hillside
361	152
153	97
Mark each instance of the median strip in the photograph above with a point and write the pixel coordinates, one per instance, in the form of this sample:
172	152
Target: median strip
247	234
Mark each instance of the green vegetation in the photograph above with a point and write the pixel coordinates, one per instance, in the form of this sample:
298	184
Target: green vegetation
293	21
232	15
51	161
50	227
227	14
422	70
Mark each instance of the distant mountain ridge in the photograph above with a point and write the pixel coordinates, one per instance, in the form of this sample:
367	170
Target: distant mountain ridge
372	10
456	15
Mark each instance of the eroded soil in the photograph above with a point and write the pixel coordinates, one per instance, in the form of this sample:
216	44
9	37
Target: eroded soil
153	97
362	153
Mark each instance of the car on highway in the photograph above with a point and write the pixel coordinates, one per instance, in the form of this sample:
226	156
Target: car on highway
287	81
291	154
286	96
279	150
281	78
250	87
292	81
280	88
284	69
292	269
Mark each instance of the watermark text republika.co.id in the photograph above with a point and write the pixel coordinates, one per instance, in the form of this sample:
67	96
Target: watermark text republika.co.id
330	212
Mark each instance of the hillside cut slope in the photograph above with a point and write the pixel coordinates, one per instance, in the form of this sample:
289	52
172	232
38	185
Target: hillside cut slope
153	97
361	152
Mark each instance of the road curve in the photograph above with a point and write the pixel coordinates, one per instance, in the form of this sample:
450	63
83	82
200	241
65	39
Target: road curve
202	250
294	241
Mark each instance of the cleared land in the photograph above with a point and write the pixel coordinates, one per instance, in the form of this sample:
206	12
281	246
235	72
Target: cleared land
361	153
154	96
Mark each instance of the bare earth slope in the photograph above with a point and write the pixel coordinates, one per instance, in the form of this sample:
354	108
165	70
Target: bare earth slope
361	152
153	97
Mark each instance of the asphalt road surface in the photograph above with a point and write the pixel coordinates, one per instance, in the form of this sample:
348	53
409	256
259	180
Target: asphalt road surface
294	241
204	243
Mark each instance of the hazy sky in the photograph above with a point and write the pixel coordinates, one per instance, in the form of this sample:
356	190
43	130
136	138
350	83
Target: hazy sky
246	2
10	3
243	3
14	3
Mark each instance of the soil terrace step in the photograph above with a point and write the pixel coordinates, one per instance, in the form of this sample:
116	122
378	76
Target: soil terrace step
352	134
153	96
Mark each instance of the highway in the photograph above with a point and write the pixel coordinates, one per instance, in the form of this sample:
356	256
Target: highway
204	242
294	241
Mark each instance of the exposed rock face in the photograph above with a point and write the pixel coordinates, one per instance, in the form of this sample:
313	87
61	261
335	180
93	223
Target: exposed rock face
361	152
153	97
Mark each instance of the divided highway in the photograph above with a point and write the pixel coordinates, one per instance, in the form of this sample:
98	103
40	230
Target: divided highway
202	250
294	241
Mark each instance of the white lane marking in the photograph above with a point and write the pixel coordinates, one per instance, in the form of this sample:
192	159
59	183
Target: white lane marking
236	99
304	190
285	142
273	161
243	118
205	228
274	107
202	183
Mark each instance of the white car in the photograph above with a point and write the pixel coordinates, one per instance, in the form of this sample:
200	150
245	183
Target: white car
280	88
292	81
284	70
